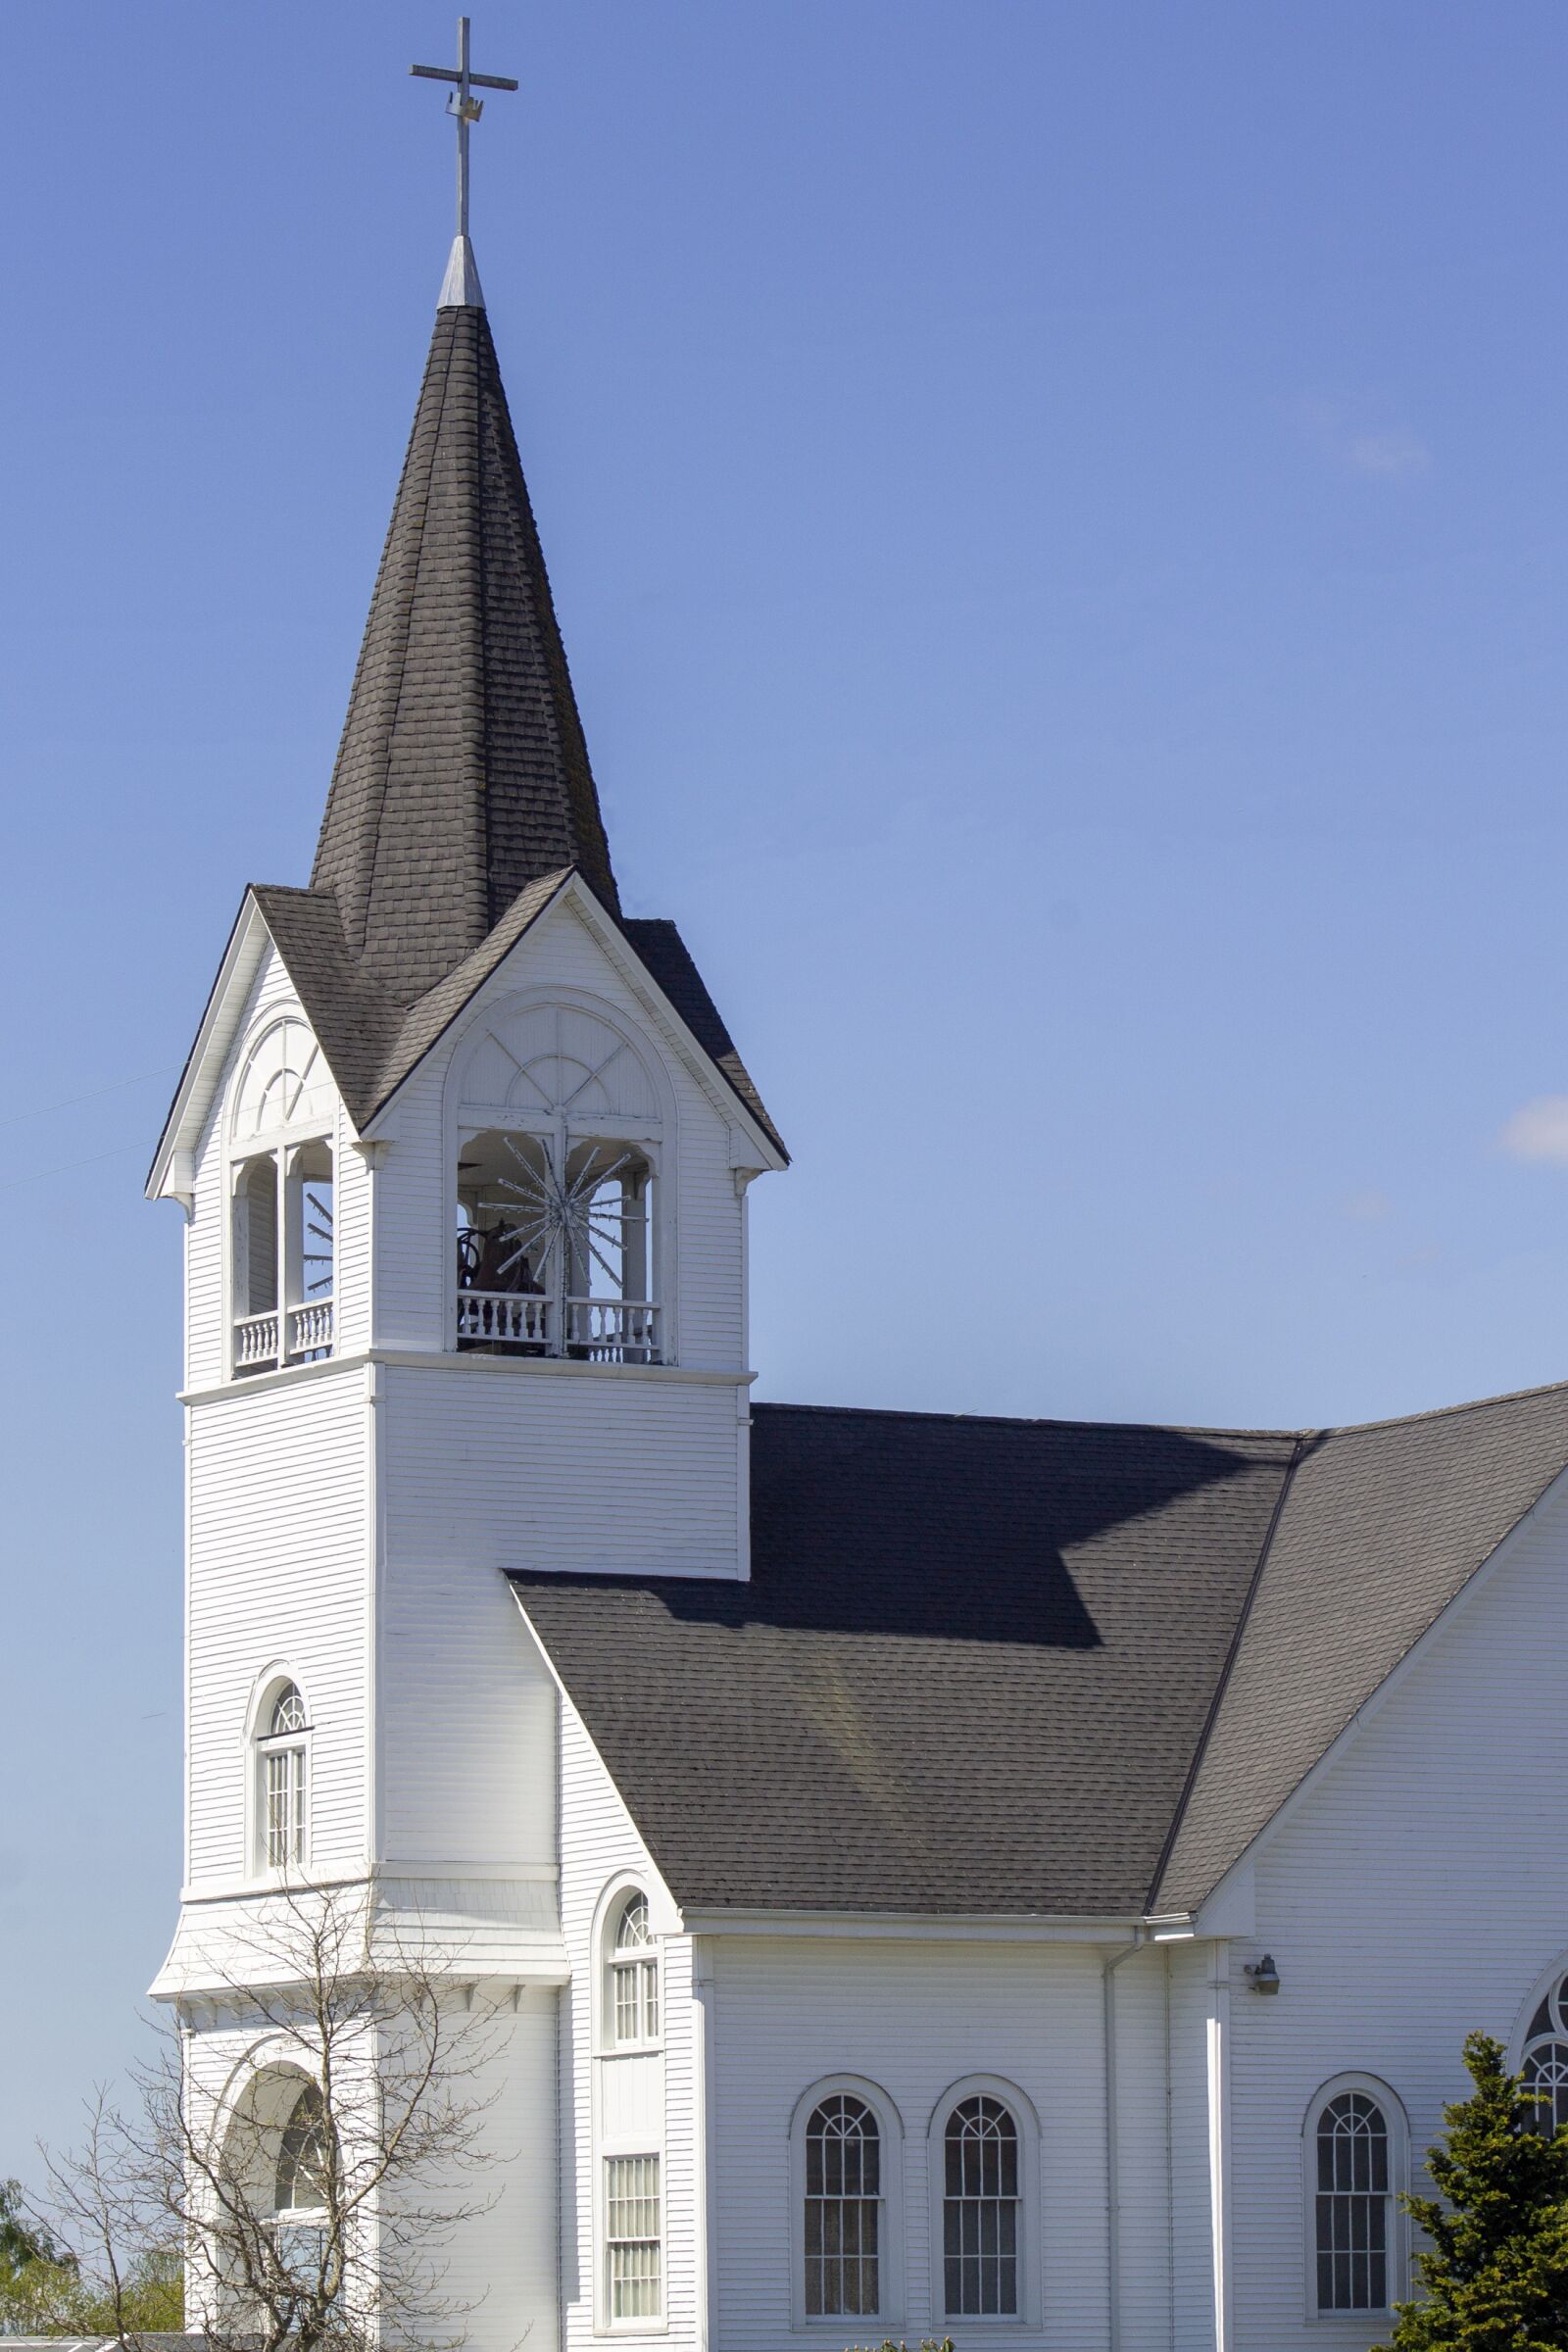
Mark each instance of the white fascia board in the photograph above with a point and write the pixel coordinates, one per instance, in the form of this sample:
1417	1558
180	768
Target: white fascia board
204	1064
1494	1564
632	969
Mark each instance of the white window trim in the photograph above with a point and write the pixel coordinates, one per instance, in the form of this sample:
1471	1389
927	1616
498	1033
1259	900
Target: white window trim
1030	2265
1372	2086
264	1693
844	2328
607	1913
604	2051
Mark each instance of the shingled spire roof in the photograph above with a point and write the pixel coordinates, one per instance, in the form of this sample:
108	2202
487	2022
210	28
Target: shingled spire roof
462	773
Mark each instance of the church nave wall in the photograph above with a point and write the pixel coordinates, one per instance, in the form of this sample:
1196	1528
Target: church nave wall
1418	1892
913	2020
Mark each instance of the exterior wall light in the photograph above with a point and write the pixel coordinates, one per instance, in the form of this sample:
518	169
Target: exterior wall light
1265	1976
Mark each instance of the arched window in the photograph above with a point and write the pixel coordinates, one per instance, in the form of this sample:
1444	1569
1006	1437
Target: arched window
282	1749
980	2211
302	2164
1355	2159
633	1991
1545	2062
843	2216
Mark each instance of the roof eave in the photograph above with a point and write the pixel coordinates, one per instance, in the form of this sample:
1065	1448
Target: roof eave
209	1048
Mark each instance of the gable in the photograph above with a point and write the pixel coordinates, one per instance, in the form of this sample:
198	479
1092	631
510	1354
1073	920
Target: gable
373	1043
1381	1529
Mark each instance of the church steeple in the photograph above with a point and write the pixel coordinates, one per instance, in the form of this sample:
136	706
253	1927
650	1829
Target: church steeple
462	773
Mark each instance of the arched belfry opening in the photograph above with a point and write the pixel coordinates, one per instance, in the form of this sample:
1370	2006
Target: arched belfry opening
561	1171
283	1248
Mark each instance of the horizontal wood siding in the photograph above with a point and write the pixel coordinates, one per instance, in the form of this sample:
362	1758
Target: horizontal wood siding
522	1466
1417	1893
598	1842
466	1713
278	1570
913	2018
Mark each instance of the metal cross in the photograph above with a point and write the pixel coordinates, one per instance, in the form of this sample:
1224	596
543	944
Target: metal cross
466	108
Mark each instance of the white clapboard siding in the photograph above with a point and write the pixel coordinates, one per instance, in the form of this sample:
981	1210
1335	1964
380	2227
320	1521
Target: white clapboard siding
522	1466
466	1718
1417	1893
277	1571
913	2018
599	1843
414	1243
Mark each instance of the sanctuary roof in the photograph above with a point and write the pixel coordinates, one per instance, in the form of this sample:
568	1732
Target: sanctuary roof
1025	1668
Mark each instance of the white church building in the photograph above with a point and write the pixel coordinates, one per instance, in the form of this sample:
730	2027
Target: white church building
1026	1881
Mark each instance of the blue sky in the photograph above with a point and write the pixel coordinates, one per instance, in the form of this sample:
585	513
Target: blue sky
1059	519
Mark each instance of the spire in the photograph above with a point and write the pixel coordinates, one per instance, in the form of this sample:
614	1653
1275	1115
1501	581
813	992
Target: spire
462	773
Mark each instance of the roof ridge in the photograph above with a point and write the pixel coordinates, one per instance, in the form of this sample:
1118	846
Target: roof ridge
1440	1412
893	1412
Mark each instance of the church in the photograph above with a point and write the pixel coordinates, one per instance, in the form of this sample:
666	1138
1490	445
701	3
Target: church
1019	1881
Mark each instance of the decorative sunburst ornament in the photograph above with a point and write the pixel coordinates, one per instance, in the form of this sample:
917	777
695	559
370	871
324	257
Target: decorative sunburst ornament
319	1228
563	1214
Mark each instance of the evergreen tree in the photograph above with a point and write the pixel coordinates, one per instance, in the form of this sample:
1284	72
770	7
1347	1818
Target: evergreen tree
1496	2276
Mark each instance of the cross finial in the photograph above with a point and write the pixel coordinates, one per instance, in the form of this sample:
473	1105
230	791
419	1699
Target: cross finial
467	108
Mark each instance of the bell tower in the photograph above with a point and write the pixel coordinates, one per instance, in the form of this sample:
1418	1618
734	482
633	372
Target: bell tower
464	1153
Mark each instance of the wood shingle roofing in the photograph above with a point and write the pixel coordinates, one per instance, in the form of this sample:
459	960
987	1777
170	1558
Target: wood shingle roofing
1025	1667
462	773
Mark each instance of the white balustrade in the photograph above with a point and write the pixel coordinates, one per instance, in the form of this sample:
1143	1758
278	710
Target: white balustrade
507	1318
255	1343
614	1330
309	1328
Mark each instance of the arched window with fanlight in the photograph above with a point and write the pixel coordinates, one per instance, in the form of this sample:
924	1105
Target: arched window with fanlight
980	2196
304	2190
843	2217
633	2003
1543	2063
1355	2157
282	1791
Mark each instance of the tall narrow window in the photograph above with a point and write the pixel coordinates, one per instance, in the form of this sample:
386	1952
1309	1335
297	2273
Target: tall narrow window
633	1987
281	1752
634	2237
843	2209
980	2211
1352	2204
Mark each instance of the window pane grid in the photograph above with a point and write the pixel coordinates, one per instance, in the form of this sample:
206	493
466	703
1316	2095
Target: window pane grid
843	2209
1352	2205
634	2236
285	1806
980	2211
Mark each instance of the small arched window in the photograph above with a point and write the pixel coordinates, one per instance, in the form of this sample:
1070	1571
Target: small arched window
980	2211
282	1752
843	2218
1544	2063
1353	2158
632	2002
